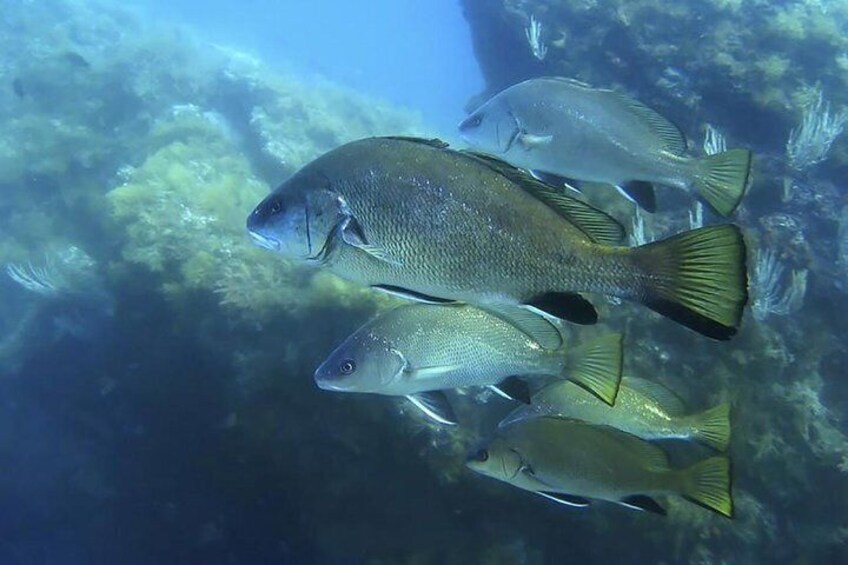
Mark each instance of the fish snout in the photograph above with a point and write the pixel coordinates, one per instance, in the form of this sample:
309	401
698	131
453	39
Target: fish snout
328	377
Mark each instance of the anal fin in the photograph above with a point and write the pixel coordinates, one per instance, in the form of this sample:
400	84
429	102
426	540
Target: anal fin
435	405
643	503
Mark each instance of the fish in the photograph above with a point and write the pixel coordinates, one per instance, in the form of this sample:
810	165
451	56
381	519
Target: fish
565	128
574	463
415	218
419	350
642	408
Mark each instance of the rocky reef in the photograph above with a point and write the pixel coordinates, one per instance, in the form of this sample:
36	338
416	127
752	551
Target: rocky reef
158	366
771	77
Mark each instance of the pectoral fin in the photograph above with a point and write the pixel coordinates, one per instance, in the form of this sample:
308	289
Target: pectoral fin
432	371
379	253
566	499
531	141
435	405
353	235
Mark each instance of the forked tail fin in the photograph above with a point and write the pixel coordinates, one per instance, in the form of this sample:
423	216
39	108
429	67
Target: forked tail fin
712	427
596	366
721	179
697	278
708	484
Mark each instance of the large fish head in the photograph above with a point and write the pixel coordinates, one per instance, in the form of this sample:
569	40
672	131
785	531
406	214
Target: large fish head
365	362
296	220
491	128
496	460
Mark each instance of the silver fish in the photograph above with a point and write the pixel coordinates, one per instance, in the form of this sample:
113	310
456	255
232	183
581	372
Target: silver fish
566	128
420	349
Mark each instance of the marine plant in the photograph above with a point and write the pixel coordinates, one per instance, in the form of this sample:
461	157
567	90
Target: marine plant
809	143
771	295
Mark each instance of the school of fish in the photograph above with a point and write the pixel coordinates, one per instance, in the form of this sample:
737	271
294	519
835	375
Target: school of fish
495	253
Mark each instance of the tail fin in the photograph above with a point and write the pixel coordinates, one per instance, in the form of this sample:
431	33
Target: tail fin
708	484
596	366
697	278
722	179
712	427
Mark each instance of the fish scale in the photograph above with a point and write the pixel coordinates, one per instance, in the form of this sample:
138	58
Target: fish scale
478	240
478	343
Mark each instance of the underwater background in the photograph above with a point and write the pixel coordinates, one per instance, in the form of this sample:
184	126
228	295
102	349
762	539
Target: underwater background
156	394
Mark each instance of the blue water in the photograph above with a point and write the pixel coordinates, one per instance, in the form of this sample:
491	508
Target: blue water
415	54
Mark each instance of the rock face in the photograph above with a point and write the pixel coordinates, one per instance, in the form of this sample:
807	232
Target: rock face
753	69
747	66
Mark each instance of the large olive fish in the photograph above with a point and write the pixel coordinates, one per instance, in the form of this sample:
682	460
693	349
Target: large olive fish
642	408
572	462
415	218
566	128
420	349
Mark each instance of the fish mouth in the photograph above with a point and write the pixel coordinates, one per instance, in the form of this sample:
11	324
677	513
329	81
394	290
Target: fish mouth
330	383
265	242
331	386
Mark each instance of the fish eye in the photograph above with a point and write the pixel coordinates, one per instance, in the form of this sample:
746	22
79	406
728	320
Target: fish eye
347	367
473	121
276	206
481	456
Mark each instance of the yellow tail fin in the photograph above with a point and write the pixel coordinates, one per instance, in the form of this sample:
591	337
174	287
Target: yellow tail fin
722	179
596	366
697	278
712	427
708	484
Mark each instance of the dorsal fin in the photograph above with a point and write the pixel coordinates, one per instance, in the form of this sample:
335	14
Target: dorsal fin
665	398
670	135
599	226
567	80
534	325
432	142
